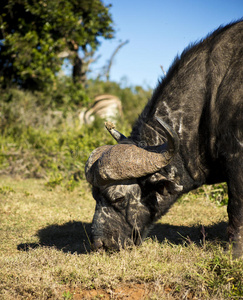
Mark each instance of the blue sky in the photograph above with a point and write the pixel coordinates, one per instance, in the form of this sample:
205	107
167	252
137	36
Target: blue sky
157	31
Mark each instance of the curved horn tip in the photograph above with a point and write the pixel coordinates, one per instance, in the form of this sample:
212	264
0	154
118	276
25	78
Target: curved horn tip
171	132
114	133
109	126
163	124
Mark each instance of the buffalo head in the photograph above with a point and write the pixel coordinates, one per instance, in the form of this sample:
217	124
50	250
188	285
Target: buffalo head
130	188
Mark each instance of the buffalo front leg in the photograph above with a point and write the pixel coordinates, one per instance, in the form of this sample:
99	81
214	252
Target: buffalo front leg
235	210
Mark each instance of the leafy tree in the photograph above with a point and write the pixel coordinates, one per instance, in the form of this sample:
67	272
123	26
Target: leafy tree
37	35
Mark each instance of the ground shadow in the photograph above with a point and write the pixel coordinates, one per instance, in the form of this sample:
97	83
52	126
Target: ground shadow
74	237
70	237
196	234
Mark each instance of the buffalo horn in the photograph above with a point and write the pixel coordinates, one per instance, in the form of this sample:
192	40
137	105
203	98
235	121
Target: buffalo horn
114	133
172	137
108	164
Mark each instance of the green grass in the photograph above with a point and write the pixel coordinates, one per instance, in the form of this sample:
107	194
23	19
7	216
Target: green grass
45	249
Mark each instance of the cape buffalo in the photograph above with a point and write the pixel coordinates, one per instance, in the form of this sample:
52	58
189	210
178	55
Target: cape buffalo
190	133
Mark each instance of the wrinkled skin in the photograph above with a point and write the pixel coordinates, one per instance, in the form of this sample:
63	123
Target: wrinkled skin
201	98
116	221
125	212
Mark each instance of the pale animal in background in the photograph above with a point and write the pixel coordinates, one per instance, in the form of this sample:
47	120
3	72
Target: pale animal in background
107	107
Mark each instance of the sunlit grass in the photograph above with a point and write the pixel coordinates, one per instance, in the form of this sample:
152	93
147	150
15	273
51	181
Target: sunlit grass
45	250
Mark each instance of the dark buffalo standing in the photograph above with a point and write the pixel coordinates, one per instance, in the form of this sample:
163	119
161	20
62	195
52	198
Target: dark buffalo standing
190	133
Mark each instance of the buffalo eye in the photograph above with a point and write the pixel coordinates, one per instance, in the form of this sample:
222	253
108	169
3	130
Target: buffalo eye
119	199
119	203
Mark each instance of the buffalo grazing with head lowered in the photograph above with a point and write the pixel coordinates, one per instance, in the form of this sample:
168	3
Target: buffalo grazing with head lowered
190	133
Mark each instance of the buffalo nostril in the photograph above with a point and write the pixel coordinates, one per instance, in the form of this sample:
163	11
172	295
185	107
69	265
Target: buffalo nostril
97	244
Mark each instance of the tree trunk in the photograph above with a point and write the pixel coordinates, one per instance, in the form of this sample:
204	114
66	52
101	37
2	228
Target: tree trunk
79	74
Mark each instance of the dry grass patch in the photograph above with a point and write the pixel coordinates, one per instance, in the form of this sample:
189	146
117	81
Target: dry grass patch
45	254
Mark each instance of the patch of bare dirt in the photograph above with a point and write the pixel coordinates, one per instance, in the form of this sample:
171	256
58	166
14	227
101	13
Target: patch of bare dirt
130	292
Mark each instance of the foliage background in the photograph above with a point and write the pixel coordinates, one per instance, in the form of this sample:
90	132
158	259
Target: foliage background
36	37
40	131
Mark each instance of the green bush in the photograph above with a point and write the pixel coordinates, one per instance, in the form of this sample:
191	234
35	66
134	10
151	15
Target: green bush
42	137
62	150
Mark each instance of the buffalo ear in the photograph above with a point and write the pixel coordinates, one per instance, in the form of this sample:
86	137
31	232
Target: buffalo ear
165	186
